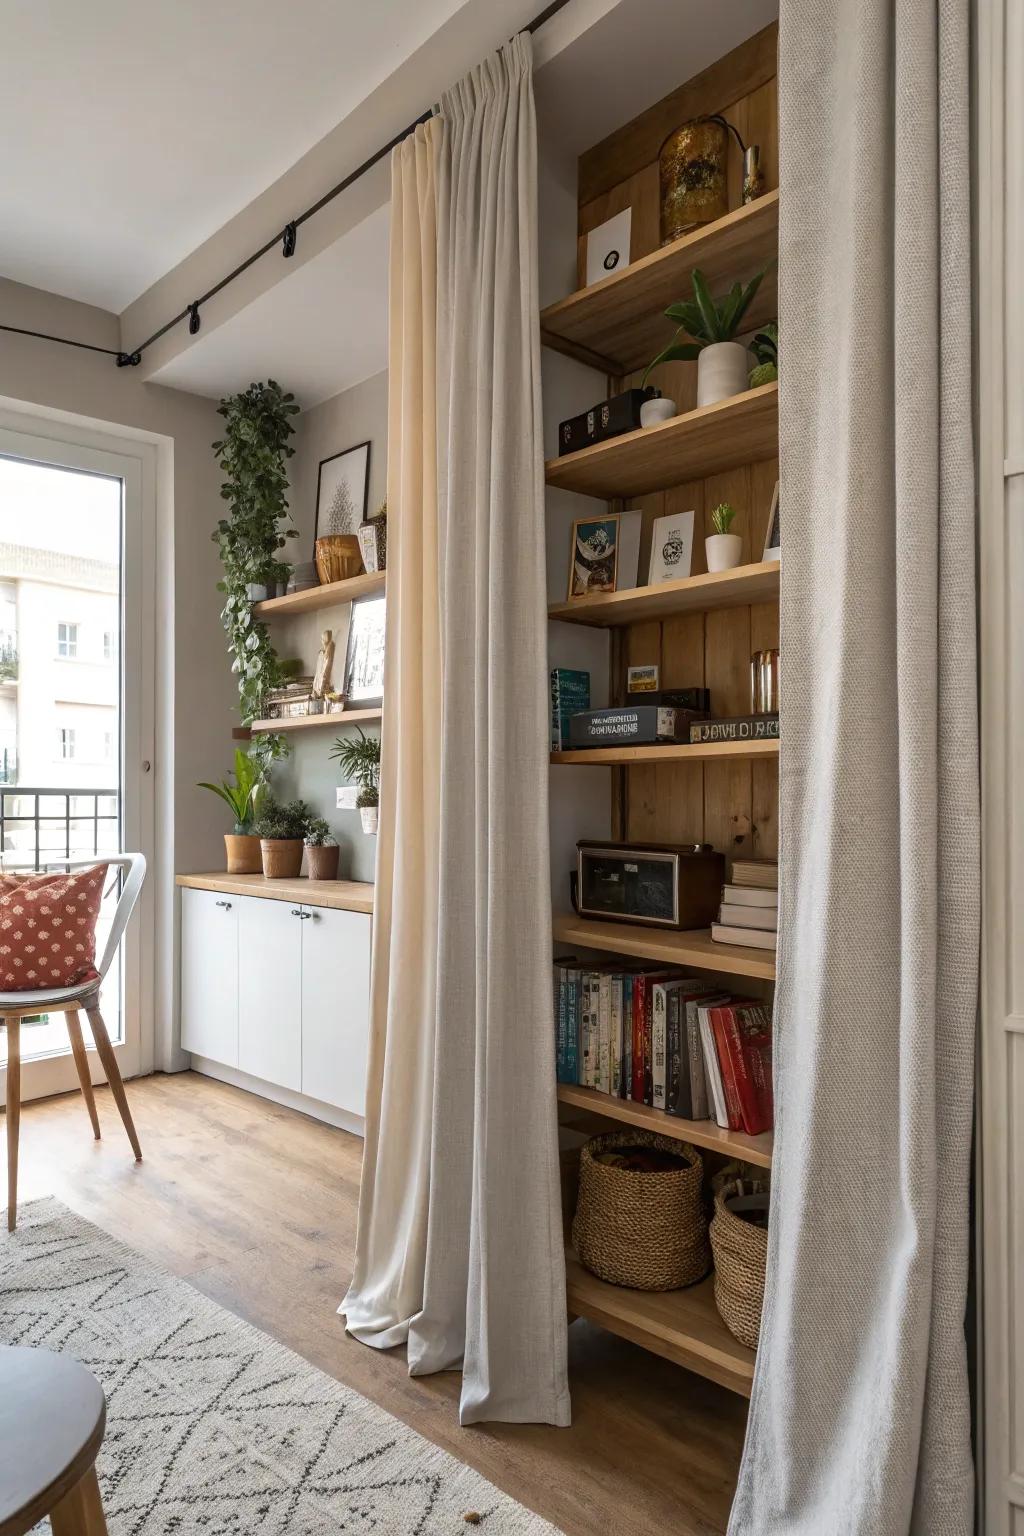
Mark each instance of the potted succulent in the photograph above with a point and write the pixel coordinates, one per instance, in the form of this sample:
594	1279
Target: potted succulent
242	798
322	851
765	347
724	549
712	326
359	757
281	829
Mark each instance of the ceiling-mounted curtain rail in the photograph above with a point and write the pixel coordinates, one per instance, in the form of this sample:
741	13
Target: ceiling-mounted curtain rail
286	238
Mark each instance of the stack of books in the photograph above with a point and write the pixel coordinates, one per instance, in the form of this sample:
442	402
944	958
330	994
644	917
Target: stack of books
660	1037
749	913
288	701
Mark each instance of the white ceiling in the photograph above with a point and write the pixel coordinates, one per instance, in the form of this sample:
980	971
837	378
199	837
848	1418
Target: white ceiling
132	131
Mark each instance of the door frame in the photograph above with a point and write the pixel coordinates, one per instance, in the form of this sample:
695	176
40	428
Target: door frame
65	444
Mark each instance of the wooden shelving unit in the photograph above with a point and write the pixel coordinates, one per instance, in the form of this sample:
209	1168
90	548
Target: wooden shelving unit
327	596
668	752
702	1133
619	324
707	441
693	594
320	722
683	1326
692	947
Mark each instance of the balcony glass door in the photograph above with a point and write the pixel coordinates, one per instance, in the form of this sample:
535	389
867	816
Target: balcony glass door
75	755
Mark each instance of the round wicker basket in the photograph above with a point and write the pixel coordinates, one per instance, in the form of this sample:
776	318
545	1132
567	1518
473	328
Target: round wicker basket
643	1230
741	1253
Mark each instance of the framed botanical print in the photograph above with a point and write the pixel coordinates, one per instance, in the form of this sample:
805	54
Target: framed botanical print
364	657
671	547
342	486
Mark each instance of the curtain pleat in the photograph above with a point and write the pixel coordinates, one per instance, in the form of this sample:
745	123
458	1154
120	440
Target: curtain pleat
859	1421
460	1240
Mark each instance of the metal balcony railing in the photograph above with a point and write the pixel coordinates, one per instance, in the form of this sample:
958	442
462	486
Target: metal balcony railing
41	824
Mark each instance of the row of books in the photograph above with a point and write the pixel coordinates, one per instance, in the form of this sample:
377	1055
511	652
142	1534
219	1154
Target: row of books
675	1042
749	913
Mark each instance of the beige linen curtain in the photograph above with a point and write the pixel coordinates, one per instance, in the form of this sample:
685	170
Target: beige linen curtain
460	1237
859	1421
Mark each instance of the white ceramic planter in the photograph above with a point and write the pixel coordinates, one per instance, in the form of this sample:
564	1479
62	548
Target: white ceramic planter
368	814
724	550
721	371
659	409
256	592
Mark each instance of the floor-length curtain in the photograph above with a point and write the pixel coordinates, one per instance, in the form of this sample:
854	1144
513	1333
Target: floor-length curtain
460	1241
859	1420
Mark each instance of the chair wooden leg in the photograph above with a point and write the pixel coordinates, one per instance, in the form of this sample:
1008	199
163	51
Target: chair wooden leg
13	1118
110	1067
80	1512
82	1068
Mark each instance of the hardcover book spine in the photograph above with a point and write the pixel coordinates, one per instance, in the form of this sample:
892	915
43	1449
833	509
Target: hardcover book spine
659	1042
626	1086
572	1038
677	1092
587	1031
733	1107
615	1062
648	1045
604	1015
712	1069
743	728
699	1105
561	1026
639	1007
734	1045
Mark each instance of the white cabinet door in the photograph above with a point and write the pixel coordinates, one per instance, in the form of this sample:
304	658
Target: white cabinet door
270	990
209	975
335	1007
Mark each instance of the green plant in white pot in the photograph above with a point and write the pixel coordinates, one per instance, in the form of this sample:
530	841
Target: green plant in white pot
712	325
359	757
724	549
242	798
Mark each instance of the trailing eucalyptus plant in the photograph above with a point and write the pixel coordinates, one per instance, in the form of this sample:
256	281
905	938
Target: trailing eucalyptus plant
705	320
252	454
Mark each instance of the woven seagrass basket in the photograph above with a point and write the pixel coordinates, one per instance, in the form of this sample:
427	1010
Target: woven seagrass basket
644	1230
741	1254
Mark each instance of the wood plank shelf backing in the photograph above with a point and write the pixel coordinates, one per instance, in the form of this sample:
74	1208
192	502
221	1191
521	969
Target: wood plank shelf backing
319	722
693	947
618	324
683	1326
707	441
314	598
703	1133
668	752
692	594
340	895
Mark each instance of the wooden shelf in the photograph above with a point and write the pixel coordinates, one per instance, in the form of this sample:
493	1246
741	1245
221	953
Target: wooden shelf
315	722
326	596
694	947
342	895
619	324
667	752
683	1326
703	1133
692	446
693	594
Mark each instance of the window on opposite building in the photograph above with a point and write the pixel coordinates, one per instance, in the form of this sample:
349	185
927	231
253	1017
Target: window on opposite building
67	640
67	742
108	645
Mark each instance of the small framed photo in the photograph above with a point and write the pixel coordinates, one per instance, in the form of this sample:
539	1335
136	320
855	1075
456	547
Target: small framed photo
364	657
608	246
773	537
594	555
671	547
342	486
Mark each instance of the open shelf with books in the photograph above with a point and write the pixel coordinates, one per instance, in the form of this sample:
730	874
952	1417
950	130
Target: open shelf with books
668	752
683	1326
312	599
336	721
737	588
694	948
703	1133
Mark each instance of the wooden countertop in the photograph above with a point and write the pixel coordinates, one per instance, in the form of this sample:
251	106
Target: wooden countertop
345	895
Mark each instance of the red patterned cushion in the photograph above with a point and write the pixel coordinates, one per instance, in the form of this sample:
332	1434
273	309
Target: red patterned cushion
48	929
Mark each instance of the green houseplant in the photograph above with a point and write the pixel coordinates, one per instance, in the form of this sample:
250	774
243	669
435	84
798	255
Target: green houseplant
322	852
359	757
765	347
712	326
724	550
281	830
242	799
252	454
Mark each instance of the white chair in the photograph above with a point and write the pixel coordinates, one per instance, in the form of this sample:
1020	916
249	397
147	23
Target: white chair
15	1006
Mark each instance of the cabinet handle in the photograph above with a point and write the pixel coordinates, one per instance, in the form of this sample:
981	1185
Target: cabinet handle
225	904
296	912
299	914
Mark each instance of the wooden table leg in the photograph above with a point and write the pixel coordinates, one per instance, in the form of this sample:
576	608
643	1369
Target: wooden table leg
13	1117
80	1512
82	1068
105	1052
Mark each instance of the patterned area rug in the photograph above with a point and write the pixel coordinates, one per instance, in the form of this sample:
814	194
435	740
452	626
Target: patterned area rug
213	1428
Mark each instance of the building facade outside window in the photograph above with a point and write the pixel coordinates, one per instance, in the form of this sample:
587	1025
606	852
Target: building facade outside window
67	742
67	640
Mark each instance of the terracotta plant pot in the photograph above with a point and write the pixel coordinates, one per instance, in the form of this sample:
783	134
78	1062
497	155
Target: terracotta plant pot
338	557
243	853
282	857
322	861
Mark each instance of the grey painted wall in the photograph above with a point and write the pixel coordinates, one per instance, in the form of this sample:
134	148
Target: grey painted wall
357	415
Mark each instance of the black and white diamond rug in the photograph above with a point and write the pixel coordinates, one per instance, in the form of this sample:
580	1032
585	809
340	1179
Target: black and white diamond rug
213	1428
